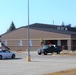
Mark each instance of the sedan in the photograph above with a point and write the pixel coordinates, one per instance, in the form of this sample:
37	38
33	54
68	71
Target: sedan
6	54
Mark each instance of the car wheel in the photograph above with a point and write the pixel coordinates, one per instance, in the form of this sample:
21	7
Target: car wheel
39	53
13	56
0	56
58	52
45	53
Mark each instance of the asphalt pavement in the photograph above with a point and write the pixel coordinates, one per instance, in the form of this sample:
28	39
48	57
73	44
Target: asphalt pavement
40	64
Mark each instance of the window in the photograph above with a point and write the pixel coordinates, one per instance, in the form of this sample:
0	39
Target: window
66	29
0	44
5	43
58	28
62	28
20	43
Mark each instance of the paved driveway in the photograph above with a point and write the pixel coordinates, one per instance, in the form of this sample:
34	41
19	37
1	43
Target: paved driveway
40	64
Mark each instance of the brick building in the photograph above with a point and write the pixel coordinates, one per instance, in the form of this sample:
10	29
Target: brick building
58	35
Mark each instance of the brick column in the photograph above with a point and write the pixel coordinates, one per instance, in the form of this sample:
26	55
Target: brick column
69	44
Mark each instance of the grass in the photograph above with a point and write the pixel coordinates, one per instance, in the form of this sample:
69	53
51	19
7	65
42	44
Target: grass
66	72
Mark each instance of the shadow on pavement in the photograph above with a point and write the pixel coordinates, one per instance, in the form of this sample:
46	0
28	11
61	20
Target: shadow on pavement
11	59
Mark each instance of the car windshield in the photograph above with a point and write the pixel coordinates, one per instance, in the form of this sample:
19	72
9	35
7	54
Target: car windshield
44	47
3	50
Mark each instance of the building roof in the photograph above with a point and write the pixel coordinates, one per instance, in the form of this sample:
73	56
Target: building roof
43	26
46	27
50	28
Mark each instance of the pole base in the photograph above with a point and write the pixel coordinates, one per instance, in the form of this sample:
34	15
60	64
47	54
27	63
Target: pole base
29	58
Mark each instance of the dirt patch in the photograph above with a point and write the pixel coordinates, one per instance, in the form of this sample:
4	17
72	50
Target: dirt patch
69	53
66	72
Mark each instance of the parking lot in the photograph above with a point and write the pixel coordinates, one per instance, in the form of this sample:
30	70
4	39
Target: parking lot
40	64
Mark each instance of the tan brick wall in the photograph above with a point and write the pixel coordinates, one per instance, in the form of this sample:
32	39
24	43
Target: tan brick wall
35	35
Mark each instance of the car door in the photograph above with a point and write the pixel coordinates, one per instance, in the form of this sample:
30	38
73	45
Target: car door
8	54
52	49
48	50
4	54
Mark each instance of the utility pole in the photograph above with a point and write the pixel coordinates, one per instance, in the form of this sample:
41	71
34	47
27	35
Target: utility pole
28	57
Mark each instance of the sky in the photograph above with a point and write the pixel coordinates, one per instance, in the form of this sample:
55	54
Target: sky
40	11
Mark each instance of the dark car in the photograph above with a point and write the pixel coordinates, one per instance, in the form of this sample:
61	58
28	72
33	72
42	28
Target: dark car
49	49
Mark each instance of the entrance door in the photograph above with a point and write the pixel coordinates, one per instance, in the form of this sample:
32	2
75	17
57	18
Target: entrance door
47	42
64	44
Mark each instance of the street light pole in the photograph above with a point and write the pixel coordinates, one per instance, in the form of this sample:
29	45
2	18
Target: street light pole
0	42
28	57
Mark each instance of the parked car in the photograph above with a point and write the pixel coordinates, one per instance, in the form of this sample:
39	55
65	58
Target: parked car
49	49
6	54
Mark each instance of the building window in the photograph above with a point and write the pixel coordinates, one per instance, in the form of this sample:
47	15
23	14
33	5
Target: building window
58	28
30	42
0	44
62	28
5	43
66	29
20	43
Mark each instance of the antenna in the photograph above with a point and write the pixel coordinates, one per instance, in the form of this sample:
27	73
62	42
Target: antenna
53	22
